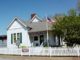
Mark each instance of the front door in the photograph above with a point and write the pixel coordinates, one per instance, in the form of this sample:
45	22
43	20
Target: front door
41	39
36	41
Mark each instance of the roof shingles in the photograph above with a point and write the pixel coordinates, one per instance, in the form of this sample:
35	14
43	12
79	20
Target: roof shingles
38	26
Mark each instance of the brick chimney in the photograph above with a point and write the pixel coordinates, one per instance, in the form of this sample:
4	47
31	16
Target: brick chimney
32	15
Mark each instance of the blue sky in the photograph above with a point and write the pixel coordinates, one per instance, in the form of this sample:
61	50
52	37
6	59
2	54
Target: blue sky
23	9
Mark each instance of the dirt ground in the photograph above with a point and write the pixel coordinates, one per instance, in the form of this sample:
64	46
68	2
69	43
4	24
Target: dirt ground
8	57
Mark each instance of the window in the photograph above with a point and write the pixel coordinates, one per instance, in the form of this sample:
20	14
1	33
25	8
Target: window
35	38
15	37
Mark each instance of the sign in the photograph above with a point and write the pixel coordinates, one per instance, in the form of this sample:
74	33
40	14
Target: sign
25	50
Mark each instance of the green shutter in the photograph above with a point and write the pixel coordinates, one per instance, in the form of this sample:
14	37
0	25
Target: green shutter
20	37
11	38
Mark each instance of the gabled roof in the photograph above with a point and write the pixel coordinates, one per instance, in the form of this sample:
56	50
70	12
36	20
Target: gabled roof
38	26
34	26
18	20
35	16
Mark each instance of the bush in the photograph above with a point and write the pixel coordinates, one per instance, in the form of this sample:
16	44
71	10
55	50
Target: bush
23	46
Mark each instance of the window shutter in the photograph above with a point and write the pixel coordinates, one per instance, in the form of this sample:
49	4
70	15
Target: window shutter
11	38
20	37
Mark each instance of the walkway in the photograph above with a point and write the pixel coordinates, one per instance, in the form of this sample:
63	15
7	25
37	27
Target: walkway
7	57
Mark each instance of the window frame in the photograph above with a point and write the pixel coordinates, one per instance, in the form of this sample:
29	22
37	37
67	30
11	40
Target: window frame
36	39
15	37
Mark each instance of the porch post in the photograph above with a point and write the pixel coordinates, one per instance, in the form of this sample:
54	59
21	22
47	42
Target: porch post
39	40
60	40
57	40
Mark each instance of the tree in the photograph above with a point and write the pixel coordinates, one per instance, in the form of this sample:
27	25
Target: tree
68	27
73	31
72	12
78	7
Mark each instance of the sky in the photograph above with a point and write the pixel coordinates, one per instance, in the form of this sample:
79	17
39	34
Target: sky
24	8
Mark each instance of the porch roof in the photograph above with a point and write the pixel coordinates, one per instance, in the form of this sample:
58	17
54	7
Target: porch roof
38	26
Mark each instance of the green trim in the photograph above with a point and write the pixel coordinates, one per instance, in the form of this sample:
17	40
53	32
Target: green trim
11	38
20	37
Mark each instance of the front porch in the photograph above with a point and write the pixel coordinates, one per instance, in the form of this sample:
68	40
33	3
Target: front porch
40	39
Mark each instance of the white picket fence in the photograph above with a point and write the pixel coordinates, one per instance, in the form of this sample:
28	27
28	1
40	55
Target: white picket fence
41	51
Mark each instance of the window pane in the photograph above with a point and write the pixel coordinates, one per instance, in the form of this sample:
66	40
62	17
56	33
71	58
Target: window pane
18	36
14	37
35	38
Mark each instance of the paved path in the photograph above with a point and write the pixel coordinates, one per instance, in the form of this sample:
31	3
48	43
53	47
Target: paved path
7	57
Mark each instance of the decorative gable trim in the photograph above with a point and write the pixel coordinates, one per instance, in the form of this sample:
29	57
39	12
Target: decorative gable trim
18	20
37	17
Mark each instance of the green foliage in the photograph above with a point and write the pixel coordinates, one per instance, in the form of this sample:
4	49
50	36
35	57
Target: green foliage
78	7
73	31
23	46
72	12
68	27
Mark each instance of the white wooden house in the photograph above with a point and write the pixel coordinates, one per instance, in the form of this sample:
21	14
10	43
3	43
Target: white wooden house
31	32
